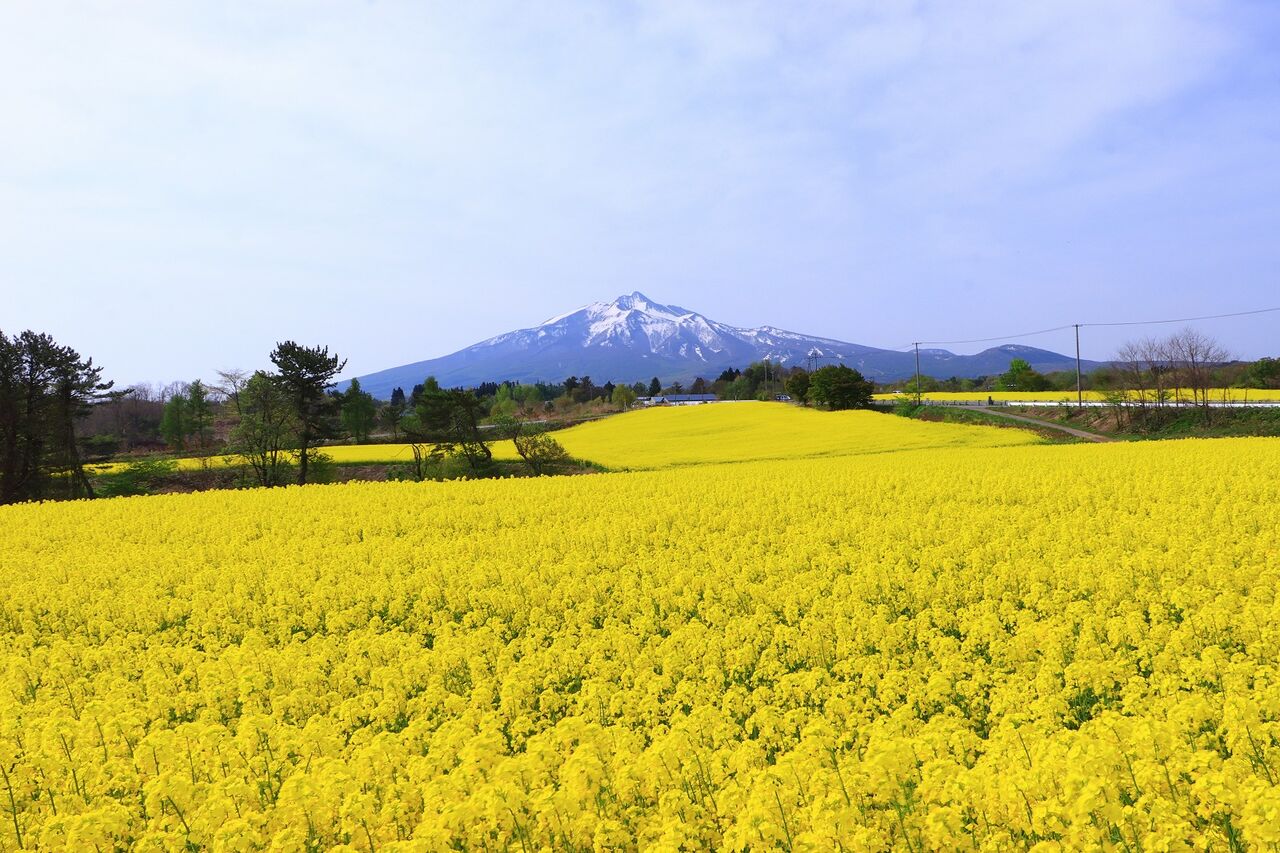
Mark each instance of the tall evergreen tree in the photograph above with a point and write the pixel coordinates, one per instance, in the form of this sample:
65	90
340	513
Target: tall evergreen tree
174	423
450	420
199	414
393	412
45	389
306	374
359	412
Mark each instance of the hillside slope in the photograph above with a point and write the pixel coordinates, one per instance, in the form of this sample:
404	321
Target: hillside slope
633	338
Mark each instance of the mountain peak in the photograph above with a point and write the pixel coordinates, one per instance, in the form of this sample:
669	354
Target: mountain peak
637	301
634	299
632	337
618	308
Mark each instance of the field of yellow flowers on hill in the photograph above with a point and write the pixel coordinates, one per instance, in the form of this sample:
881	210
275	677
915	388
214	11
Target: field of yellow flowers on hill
1046	647
731	432
672	436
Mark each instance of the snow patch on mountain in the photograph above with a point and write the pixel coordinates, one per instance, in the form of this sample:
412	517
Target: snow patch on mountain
633	338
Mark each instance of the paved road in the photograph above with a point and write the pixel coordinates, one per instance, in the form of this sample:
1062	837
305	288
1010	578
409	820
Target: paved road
1079	433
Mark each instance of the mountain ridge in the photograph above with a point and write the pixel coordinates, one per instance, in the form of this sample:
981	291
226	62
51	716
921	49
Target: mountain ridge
633	338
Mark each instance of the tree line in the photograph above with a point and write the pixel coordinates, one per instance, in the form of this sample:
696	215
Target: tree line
45	390
1152	375
282	418
275	421
833	386
56	412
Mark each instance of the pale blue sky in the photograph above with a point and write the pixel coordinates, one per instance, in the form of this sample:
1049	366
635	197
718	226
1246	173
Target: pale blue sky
183	184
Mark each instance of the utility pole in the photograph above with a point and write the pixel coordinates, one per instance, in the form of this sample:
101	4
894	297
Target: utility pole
813	358
917	346
1079	383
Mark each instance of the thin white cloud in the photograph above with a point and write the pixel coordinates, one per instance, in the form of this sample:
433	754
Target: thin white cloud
486	164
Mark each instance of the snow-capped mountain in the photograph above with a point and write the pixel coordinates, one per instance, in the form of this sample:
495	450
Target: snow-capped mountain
634	338
633	323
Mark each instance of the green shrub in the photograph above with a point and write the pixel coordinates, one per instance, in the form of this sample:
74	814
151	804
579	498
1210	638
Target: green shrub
320	467
138	478
905	406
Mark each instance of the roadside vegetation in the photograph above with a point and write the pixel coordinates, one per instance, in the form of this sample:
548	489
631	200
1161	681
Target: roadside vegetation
1169	422
908	408
1121	422
1184	365
1180	386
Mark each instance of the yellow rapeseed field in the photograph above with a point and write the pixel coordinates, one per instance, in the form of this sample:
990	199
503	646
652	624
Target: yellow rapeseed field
666	437
730	432
671	436
1238	395
956	648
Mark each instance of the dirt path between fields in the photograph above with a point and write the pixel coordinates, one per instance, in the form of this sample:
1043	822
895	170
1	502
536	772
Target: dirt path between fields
1079	433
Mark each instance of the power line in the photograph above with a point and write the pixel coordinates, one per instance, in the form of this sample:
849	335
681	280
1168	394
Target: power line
1186	319
1000	337
1076	327
1086	325
908	348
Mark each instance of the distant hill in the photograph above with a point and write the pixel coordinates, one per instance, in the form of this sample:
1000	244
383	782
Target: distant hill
634	338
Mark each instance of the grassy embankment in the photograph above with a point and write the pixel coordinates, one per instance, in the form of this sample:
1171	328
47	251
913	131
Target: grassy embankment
1166	423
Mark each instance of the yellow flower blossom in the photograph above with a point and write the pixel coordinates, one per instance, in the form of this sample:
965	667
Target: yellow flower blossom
879	634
